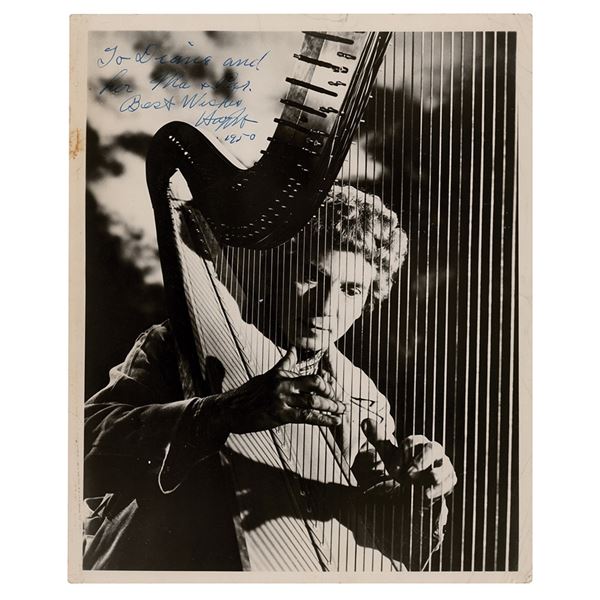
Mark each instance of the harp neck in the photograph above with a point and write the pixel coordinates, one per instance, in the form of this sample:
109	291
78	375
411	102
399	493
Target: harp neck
267	204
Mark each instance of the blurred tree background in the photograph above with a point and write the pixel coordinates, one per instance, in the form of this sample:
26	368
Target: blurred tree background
120	303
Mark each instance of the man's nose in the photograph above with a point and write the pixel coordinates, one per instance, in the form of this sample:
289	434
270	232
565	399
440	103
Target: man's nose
329	301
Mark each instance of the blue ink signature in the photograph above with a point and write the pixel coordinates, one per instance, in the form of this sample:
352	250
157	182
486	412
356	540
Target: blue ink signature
252	63
178	82
135	103
151	52
173	80
208	118
229	82
110	55
191	101
115	85
213	119
232	138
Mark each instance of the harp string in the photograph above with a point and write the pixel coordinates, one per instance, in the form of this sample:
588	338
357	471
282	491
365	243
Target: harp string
350	407
484	134
406	204
513	344
426	428
440	147
362	168
432	196
382	93
384	125
459	245
324	297
290	308
361	333
511	275
416	387
471	193
370	173
338	514
403	282
494	260
348	162
371	339
489	323
388	516
346	556
447	137
415	217
501	308
393	400
448	192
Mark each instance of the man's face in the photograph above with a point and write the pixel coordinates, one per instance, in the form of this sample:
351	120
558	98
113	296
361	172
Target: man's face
325	297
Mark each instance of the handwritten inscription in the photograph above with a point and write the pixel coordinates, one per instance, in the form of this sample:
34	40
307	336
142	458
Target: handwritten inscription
152	52
208	91
137	102
116	84
252	63
177	81
234	139
238	118
208	118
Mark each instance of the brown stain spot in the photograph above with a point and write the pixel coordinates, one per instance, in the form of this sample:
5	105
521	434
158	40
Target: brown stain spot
75	143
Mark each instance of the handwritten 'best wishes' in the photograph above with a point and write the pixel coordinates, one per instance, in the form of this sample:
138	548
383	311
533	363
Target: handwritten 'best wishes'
238	117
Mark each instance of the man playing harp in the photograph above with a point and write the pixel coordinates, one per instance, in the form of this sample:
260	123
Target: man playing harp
140	430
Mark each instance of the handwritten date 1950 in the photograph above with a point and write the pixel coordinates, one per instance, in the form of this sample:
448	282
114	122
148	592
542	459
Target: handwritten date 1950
232	138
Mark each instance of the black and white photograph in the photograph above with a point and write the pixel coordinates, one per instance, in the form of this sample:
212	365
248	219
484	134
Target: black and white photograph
304	248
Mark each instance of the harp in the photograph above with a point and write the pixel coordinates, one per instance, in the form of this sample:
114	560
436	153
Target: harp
441	124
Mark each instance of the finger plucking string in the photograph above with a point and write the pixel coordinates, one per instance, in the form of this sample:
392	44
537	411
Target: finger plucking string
319	418
431	452
314	402
308	384
442	488
310	417
387	451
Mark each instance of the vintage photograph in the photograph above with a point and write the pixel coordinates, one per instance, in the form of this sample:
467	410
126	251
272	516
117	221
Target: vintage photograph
301	280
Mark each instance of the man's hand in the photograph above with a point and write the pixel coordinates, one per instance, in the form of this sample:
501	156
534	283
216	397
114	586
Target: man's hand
281	396
417	461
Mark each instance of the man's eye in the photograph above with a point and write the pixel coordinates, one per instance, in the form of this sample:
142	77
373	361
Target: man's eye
352	290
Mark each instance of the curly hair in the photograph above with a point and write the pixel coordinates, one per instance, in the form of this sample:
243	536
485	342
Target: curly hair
354	221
